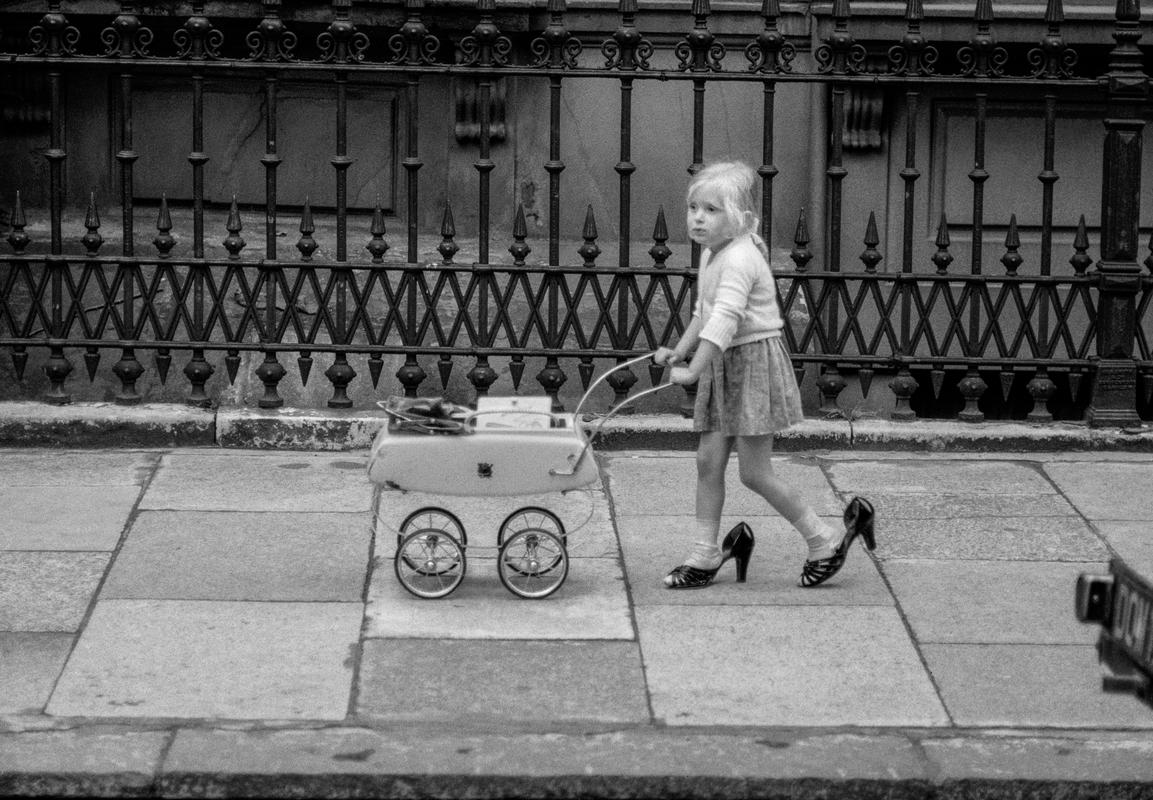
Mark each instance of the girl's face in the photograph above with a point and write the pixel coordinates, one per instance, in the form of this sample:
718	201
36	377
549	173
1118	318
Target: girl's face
707	221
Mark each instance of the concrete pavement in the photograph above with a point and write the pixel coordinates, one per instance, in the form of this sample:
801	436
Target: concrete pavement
206	621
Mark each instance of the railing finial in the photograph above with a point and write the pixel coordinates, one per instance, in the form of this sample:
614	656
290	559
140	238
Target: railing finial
983	57
92	240
840	53
447	247
627	49
871	256
17	238
271	41
589	250
942	258
770	51
800	254
914	55
556	47
1051	58
700	51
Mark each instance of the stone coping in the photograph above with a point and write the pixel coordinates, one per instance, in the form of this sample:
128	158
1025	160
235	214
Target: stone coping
363	762
36	424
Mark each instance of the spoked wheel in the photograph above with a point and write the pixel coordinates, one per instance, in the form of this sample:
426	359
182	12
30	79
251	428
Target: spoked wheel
532	563
533	518
435	520
431	517
530	517
429	563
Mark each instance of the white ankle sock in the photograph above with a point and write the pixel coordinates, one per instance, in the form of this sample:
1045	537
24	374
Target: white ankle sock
821	537
708	530
706	553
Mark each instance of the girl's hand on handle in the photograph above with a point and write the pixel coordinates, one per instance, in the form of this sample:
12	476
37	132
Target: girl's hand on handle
682	376
666	355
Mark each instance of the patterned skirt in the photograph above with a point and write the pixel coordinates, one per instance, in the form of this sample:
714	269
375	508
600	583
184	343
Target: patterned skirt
750	390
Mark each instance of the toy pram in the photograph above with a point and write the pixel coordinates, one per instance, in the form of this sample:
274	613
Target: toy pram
508	446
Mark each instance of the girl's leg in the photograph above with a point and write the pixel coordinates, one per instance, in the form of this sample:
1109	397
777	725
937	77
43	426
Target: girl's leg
754	454
713	452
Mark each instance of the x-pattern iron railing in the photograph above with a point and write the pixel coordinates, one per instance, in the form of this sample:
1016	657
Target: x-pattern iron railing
914	321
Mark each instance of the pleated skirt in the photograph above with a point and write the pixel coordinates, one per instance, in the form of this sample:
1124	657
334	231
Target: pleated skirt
750	390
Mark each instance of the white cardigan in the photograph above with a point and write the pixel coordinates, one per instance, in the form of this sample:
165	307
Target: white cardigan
737	296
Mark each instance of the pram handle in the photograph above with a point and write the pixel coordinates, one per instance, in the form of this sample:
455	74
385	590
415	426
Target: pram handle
601	379
611	412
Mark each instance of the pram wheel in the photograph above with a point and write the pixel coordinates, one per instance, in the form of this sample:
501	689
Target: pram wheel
533	563
429	563
530	517
431	518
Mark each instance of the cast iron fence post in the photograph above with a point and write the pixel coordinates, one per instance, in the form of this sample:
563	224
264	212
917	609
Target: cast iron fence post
1118	273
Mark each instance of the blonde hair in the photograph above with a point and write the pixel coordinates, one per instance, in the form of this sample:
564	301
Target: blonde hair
734	184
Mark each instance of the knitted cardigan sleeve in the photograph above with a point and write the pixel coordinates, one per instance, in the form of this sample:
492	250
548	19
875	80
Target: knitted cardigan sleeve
728	307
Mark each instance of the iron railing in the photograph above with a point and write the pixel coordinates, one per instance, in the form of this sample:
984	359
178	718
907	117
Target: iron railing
987	337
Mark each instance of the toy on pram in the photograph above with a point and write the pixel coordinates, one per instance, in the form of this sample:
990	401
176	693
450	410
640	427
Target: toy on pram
508	446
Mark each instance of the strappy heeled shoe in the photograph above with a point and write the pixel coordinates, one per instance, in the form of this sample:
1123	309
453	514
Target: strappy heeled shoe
737	545
858	522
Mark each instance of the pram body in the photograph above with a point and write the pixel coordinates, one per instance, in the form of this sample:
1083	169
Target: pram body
507	446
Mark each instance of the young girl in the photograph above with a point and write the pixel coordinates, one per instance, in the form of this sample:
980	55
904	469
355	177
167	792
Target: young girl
747	391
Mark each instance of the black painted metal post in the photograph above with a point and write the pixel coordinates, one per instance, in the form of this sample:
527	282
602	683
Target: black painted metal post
556	49
198	370
1118	273
341	373
903	384
128	368
58	366
412	45
485	48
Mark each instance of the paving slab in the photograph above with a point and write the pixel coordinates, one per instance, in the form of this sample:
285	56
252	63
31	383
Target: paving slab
652	545
958	505
36	467
667	485
216	555
1029	686
1130	541
989	601
591	604
944	474
29	666
78	518
47	591
788	666
584	514
85	762
214	481
1065	760
1106	490
230	660
499	683
988	538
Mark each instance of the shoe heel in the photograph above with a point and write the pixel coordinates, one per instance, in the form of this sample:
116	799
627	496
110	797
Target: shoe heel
742	568
865	523
742	554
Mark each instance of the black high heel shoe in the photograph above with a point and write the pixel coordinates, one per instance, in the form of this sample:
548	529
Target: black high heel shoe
858	518
737	545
